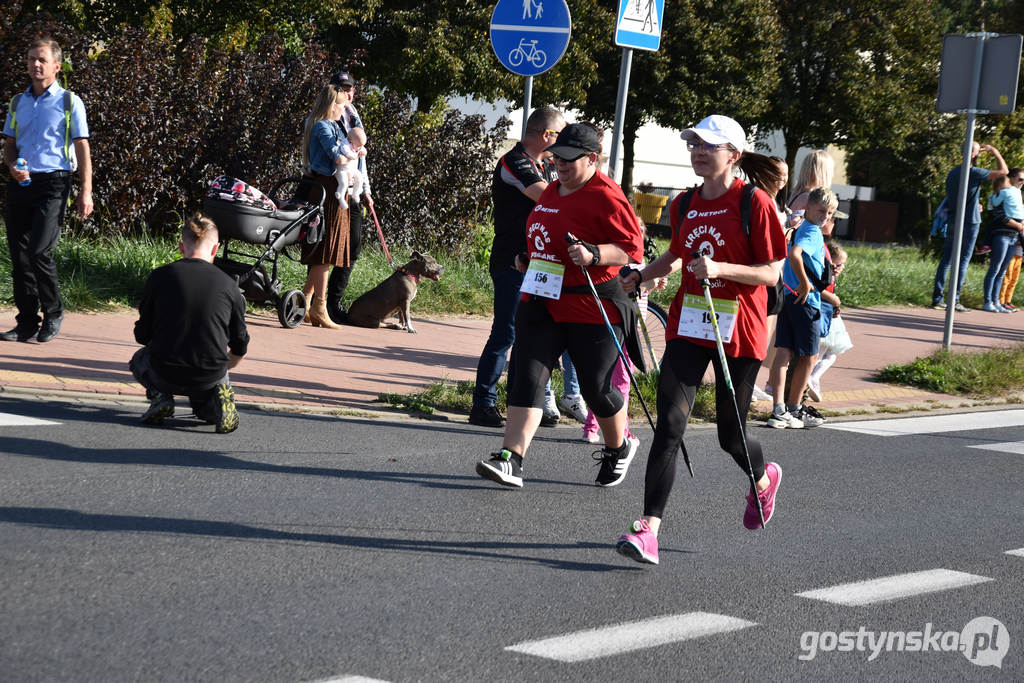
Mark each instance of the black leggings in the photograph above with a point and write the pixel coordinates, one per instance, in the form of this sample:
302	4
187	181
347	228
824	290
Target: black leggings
682	368
539	343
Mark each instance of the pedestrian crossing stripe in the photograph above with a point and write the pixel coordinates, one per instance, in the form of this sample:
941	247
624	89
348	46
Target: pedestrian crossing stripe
637	635
1015	447
896	587
933	424
12	420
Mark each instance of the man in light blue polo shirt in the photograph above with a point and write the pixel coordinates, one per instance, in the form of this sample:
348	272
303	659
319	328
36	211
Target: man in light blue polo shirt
972	223
55	142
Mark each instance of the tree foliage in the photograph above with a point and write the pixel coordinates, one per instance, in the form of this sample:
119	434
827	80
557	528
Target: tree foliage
190	112
716	56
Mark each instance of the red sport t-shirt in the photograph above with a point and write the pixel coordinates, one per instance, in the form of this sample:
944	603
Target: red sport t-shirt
714	228
597	213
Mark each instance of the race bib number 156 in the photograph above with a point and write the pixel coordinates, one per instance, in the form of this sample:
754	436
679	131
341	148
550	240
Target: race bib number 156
543	278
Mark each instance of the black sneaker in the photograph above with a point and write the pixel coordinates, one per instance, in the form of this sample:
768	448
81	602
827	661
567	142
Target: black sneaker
550	419
20	333
486	416
160	406
227	416
615	463
810	416
504	467
50	328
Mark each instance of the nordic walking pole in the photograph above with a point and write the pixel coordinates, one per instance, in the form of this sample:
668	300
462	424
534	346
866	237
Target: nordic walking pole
732	392
571	239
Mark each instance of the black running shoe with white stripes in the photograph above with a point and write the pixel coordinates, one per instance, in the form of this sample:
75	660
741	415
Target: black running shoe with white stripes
614	463
504	467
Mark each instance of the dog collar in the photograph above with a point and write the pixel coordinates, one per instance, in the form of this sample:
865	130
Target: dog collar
403	271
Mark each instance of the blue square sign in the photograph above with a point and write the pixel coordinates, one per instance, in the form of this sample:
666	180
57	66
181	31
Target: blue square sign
639	24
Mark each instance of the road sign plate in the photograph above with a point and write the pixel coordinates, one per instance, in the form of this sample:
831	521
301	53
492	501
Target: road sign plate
639	24
1000	67
530	36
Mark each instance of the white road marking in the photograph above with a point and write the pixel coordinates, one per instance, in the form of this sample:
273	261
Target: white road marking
11	420
933	424
1019	552
637	635
351	679
894	587
1015	447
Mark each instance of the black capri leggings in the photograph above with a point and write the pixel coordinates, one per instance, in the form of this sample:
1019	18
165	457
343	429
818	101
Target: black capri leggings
539	343
682	368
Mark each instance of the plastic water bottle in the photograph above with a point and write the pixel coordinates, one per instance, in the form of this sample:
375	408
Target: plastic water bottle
22	165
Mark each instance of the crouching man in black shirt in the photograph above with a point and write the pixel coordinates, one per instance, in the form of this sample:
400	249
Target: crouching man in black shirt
192	324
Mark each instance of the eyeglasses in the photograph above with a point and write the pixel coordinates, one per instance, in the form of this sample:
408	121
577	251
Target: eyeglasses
548	131
705	146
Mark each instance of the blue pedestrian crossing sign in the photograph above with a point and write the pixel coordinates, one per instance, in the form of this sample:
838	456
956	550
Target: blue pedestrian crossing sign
639	24
530	36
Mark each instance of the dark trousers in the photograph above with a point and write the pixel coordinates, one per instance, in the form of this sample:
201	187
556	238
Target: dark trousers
682	368
503	333
337	283
539	343
33	220
203	400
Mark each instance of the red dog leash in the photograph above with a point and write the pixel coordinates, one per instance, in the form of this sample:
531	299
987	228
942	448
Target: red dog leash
380	233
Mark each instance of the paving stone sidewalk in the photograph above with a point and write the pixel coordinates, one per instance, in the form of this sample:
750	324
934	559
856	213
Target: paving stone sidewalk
346	370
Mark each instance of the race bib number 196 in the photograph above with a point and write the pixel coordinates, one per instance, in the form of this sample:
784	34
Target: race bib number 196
543	278
695	319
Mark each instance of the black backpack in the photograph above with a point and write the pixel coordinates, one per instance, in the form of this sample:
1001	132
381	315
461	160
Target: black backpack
776	293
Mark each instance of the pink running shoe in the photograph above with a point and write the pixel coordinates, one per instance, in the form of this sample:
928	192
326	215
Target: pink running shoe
751	519
639	544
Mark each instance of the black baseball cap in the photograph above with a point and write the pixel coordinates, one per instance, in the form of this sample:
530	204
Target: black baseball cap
342	78
575	140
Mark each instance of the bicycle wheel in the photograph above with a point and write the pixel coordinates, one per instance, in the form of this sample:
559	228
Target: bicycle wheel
515	57
538	58
655	320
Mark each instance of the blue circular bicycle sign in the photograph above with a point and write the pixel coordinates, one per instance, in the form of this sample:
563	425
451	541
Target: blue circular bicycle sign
530	36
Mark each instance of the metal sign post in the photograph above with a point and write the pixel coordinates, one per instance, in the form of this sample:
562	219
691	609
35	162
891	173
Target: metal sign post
638	27
528	38
977	69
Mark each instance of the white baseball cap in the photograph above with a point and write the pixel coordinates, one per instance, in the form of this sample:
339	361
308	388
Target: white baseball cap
717	129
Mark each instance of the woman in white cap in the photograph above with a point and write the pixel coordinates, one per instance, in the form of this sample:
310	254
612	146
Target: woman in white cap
709	240
558	310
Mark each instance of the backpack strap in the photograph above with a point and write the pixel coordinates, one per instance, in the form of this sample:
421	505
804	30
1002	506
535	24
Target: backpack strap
13	109
682	206
69	102
746	207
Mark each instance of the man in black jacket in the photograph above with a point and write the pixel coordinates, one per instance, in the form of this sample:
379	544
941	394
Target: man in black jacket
192	324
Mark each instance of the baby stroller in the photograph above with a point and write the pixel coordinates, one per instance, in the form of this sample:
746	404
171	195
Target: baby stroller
243	213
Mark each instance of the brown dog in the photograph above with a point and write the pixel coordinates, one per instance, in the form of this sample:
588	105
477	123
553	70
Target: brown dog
393	296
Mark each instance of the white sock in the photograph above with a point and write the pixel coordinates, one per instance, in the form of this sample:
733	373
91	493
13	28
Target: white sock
823	364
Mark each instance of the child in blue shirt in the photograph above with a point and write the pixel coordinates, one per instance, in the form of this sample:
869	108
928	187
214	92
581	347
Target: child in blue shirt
798	328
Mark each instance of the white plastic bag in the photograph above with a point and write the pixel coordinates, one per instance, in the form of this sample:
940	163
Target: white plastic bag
837	340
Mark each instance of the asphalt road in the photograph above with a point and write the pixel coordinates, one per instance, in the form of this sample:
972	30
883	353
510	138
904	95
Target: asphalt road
306	548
